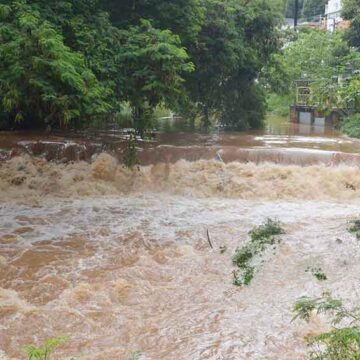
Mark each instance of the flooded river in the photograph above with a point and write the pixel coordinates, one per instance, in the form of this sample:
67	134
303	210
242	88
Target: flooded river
119	261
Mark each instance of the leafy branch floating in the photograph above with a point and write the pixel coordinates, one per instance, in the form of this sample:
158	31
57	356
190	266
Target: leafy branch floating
262	237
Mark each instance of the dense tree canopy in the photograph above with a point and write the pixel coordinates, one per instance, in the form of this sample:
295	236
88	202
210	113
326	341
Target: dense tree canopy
351	11
71	61
41	77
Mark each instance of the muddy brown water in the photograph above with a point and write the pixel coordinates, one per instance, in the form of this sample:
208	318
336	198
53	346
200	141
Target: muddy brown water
118	259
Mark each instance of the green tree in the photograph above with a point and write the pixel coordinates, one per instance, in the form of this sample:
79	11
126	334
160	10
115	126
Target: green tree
73	61
351	12
152	63
234	44
343	340
333	59
40	77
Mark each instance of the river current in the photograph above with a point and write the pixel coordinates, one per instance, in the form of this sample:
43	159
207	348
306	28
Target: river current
119	260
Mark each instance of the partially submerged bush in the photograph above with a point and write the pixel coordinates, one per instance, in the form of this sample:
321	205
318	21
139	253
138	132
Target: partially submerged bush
131	158
317	272
261	238
136	355
339	343
355	228
266	231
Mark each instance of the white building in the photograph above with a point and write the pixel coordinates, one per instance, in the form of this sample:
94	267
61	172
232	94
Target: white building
333	15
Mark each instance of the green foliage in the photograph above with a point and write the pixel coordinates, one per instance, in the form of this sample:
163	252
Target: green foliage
351	126
130	158
135	355
40	77
355	228
305	307
350	11
299	60
266	231
75	61
279	104
331	68
261	238
340	342
152	61
317	272
234	44
45	351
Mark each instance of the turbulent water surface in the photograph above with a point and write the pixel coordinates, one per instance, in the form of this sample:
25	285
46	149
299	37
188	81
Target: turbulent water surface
119	260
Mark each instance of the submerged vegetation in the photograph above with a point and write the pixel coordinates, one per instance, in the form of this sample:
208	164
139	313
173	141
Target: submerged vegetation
343	340
136	355
45	351
317	272
355	228
131	158
262	237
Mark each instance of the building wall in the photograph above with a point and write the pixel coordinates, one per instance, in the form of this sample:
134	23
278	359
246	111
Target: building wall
333	15
333	6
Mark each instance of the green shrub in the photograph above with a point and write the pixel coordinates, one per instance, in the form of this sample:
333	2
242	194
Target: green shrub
135	355
351	126
131	158
261	237
317	272
264	233
355	228
44	352
339	343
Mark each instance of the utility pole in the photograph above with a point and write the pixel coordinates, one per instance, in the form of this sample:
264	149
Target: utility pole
296	13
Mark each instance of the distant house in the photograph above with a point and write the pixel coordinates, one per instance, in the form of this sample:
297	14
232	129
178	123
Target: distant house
333	19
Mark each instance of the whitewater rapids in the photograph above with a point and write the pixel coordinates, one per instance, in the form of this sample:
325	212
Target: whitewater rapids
118	259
